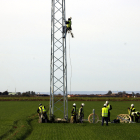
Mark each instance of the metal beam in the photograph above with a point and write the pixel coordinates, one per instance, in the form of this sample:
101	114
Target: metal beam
58	63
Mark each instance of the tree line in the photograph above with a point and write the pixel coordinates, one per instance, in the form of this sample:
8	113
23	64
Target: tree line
123	93
27	93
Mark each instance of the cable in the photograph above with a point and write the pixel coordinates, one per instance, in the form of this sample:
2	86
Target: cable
70	63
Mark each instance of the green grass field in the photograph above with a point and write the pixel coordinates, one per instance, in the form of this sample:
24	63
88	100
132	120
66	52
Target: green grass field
37	98
18	121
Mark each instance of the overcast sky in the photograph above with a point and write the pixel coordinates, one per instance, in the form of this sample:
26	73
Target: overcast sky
105	52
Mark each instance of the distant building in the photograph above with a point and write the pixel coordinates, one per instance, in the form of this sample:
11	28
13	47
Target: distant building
68	96
12	93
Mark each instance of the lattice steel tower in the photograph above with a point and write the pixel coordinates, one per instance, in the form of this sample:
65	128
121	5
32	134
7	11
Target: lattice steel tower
58	64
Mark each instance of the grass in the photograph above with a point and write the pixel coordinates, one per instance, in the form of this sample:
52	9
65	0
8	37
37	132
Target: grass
36	98
18	121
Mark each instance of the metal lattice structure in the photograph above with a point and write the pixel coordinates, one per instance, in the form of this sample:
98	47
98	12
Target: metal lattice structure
58	64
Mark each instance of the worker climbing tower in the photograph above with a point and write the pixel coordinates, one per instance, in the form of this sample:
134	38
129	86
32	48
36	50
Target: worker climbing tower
58	64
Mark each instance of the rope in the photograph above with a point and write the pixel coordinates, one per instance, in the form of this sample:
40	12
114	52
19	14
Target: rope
70	63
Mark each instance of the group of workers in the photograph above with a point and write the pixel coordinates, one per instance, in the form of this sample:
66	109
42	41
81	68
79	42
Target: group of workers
105	113
42	113
135	115
77	116
80	114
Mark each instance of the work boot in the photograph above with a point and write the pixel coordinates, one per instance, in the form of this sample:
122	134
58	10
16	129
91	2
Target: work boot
72	35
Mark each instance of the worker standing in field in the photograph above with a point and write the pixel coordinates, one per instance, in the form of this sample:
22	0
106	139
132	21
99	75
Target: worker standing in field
81	113
104	113
109	109
137	116
42	112
131	110
73	114
68	27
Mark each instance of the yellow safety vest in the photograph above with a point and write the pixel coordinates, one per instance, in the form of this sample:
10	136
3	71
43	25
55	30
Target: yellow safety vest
42	108
74	111
69	24
108	107
131	110
104	112
80	111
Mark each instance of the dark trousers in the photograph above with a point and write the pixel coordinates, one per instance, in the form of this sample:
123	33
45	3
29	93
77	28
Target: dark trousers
136	119
81	119
74	118
108	116
67	29
106	119
132	118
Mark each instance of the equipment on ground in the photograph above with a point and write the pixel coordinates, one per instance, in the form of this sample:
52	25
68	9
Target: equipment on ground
90	118
124	118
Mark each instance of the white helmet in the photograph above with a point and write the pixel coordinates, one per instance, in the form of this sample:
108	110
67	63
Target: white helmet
74	104
82	104
107	102
132	105
133	113
104	105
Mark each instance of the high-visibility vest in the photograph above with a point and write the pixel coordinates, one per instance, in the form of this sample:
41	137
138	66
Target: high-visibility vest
81	112
129	111
69	24
104	112
132	110
137	113
74	111
108	107
42	108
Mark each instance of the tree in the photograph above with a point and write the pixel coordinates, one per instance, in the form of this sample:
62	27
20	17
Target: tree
18	93
109	92
122	93
5	93
32	93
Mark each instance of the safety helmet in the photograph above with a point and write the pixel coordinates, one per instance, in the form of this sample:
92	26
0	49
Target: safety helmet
132	105
133	113
40	104
107	102
104	105
82	104
74	104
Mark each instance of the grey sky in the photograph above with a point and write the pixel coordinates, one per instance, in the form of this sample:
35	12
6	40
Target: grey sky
105	52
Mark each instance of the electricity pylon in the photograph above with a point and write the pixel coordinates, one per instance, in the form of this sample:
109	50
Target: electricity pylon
58	64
